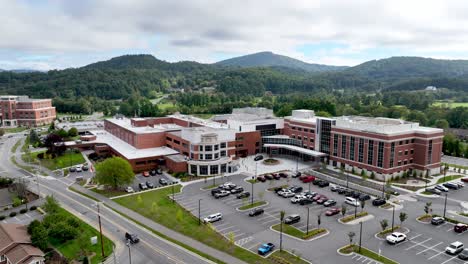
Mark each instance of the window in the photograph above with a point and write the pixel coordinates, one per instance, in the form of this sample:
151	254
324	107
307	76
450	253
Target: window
293	128
351	148
411	161
216	156
208	156
392	154
361	150
222	145
312	131
405	162
335	145
177	142
203	170
399	163
240	138
168	139
412	140
223	168
400	143
399	153
292	136
201	147
191	155
299	137
429	153
311	140
299	129
306	130
257	144
201	156
208	148
406	152
216	147
223	153
380	155
407	141
214	169
343	146
412	151
370	152
193	169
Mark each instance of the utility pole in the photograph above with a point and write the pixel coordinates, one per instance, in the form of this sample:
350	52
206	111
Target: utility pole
129	252
199	217
445	203
307	220
360	237
252	195
393	217
100	230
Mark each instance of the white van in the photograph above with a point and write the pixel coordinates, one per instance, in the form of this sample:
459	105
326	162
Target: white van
352	201
213	218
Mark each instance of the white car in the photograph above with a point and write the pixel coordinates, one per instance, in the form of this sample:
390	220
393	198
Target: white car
442	188
221	193
352	201
213	218
79	168
297	198
129	189
288	194
454	248
396	237
460	184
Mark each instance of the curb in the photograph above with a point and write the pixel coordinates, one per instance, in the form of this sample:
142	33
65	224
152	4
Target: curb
245	210
344	254
376	235
426	223
327	232
358	220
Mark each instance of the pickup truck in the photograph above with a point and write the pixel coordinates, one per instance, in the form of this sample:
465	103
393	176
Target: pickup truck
265	248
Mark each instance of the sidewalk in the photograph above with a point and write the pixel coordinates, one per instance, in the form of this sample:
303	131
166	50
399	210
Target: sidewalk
160	228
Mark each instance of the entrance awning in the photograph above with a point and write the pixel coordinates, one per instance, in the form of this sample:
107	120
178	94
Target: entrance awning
309	152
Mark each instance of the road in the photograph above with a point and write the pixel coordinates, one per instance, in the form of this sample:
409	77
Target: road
151	249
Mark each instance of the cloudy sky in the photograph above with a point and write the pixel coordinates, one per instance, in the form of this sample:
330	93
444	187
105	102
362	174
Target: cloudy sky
58	34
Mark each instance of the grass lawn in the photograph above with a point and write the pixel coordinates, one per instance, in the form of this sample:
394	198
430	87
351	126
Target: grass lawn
351	217
66	160
449	178
450	104
368	253
164	105
15	129
252	181
108	193
249	206
16	146
71	249
286	257
157	206
292	231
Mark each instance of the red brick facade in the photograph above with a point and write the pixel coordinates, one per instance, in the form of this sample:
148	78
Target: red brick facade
21	111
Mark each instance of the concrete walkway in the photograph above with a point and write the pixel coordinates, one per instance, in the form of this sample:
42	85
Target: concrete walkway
160	228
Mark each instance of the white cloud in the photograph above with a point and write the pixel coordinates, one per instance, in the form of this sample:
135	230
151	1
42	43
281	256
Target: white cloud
201	29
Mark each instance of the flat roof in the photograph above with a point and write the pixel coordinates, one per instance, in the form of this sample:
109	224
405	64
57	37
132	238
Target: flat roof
127	124
125	149
200	121
309	152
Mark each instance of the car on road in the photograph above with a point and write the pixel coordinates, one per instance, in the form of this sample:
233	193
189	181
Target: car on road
297	198
145	174
261	178
132	238
352	201
222	193
454	248
332	211
441	188
464	254
451	185
238	189
434	191
150	185
379	201
395	238
213	218
243	195
142	186
460	228
329	203
437	220
306	201
308	179
269	177
256	211
163	181
129	189
292	219
265	248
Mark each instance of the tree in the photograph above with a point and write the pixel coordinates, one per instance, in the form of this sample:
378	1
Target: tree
73	132
2	132
115	172
427	207
363	173
54	144
34	138
51	205
343	209
39	236
403	217
62	133
231	237
442	123
351	235
384	224
52	127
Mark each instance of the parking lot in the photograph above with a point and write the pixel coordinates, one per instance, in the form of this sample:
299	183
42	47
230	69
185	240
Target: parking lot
23	219
139	178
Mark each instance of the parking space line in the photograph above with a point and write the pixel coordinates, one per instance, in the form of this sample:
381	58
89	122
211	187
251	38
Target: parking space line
233	231
415	237
225	228
223	224
436	255
254	245
450	229
449	259
419	244
240	234
273	220
441	225
429	248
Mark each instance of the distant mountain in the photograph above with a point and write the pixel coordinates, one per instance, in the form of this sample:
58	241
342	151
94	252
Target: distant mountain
409	67
19	70
270	59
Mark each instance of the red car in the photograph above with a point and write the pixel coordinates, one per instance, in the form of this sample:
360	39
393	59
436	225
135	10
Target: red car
318	197
269	177
332	211
460	228
261	178
308	179
322	200
303	176
145	174
464	179
276	176
283	175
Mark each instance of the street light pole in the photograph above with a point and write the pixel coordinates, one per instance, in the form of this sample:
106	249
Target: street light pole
393	217
445	203
199	217
251	196
360	237
307	220
173	196
100	230
129	252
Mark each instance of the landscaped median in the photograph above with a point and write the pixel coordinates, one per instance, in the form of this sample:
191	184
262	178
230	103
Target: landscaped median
386	206
284	257
424	218
383	234
448	178
157	206
349	249
250	206
292	231
350	218
281	186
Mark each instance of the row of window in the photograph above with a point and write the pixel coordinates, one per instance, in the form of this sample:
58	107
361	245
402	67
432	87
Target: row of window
303	129
302	138
210	156
212	169
401	142
406	152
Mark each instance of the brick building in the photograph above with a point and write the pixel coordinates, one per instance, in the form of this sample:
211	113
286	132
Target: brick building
24	111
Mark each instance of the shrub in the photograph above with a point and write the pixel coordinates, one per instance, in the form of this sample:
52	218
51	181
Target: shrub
17	202
12	214
32	208
2	217
23	211
351	217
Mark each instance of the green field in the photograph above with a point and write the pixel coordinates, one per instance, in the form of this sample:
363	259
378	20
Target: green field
66	160
450	104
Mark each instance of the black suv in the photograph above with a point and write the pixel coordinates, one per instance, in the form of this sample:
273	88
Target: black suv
132	238
379	202
292	219
237	189
306	201
150	185
323	184
216	190
364	197
256	211
296	189
243	195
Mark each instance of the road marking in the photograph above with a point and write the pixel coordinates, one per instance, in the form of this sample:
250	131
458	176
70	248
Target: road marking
429	248
441	225
449	259
226	228
244	241
240	234
418	244
223	224
415	237
450	229
436	255
233	231
253	246
28	215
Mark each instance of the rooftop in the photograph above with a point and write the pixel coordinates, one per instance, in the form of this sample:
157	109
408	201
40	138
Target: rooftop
19	98
126	123
200	121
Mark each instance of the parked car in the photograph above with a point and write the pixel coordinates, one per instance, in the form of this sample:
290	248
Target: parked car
451	185
288	194
145	174
364	197
434	191
150	185
460	228
395	238
216	190
163	181
129	189
213	218
341	190
464	179
441	188
332	211
79	168
464	254
316	181
256	211
348	192
228	186
277	189
243	195
72	169
352	201
306	201
283	174
292	219
283	190
317	197
142	186
323	184
85	168
258	158
238	189
356	195
454	248
379	201
132	238
297	198
329	203
222	193
296	174
276	176
322	200
460	184
265	248
334	188
158	171
296	189
269	177
152	172
261	178
308	179
437	220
